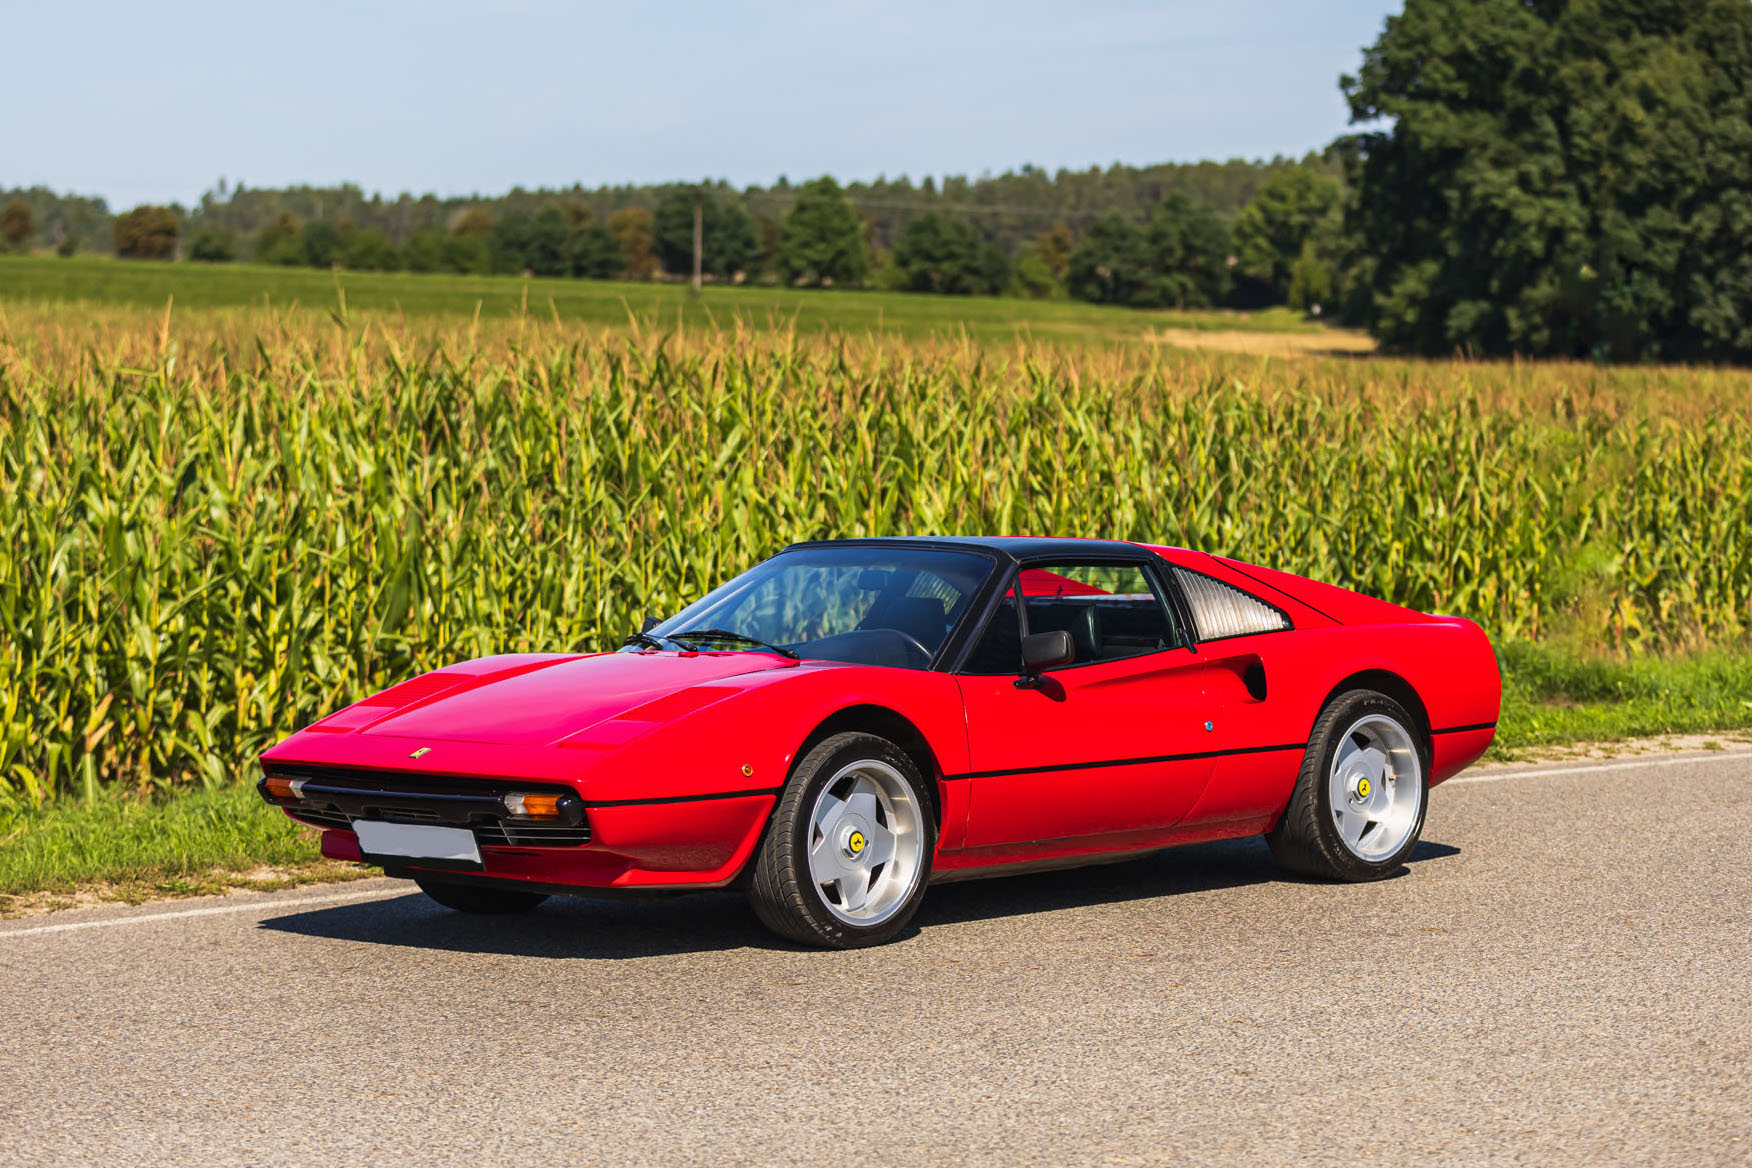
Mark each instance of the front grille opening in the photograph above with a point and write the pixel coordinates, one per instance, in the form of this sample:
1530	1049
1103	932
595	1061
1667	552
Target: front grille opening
490	830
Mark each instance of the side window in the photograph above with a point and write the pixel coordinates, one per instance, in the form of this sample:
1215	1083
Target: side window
1112	611
1221	610
999	649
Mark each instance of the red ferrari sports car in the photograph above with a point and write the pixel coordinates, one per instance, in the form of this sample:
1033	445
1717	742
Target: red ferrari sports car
853	720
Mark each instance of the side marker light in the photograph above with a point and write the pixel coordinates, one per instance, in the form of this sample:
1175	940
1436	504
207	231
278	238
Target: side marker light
281	787
533	806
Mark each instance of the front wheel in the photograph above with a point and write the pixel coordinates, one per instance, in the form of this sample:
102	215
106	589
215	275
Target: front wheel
1358	805
477	898
845	859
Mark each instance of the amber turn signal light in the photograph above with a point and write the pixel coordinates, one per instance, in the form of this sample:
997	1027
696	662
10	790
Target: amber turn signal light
533	806
283	788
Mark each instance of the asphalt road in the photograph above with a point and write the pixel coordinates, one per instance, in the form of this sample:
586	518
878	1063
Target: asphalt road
1564	973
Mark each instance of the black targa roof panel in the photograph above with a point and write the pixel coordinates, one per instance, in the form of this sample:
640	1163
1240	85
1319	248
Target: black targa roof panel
1011	547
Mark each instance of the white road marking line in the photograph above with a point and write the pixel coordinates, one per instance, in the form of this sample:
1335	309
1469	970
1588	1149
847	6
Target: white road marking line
1714	756
253	905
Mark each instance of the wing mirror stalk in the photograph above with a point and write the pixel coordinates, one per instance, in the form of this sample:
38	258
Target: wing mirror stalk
1043	651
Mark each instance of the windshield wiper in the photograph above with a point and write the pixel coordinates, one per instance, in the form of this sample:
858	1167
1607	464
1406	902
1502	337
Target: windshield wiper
649	641
740	638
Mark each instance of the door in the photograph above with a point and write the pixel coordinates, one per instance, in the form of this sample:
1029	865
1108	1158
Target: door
1113	744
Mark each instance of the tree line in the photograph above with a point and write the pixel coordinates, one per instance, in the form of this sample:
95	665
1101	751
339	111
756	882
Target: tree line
1011	234
1544	177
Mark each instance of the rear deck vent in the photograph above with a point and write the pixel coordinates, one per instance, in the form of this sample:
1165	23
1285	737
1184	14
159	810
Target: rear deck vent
1222	610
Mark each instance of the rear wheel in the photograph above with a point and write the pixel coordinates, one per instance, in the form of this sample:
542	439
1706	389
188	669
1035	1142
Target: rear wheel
845	859
1358	806
476	898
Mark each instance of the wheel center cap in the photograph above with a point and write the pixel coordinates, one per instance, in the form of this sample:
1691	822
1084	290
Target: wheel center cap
854	840
1364	787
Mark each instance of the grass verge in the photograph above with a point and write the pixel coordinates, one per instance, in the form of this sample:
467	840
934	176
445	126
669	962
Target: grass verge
119	849
204	842
1553	696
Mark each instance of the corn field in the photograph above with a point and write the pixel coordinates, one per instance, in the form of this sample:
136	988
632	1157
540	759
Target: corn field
214	531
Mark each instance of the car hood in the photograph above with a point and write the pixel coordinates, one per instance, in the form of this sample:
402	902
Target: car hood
541	704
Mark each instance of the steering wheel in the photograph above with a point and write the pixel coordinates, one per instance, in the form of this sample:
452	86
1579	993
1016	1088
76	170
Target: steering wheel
924	653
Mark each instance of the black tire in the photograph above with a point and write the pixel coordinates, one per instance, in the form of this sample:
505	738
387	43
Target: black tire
1306	839
478	898
784	896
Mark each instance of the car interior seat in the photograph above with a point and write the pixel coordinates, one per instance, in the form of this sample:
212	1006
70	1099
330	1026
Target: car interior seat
921	617
1085	632
1081	620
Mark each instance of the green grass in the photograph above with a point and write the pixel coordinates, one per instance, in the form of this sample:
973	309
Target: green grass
36	279
1553	694
179	844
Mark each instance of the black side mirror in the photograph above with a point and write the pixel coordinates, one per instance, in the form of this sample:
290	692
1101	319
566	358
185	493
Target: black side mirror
649	623
1041	651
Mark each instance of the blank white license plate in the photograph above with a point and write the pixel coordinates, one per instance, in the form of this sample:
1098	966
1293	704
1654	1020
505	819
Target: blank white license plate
417	841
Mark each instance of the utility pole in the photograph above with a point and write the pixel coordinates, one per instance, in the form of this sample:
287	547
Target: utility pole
697	238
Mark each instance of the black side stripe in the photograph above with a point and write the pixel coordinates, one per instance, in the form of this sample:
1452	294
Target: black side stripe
1464	729
682	798
1118	762
1035	770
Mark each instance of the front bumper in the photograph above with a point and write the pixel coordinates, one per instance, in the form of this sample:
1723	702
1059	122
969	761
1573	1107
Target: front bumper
684	843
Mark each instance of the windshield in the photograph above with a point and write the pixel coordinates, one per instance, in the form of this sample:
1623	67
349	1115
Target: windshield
863	605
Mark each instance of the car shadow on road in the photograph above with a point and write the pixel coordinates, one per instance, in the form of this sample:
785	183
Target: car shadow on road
566	927
1174	872
599	928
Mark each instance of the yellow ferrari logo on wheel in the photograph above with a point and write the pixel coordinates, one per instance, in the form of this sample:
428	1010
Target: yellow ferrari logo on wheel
856	843
1363	788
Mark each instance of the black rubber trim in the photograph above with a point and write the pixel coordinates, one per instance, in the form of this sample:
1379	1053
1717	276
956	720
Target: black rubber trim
1464	729
682	798
1117	762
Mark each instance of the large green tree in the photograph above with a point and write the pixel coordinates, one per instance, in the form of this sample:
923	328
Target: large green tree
1111	264
532	243
938	254
1189	247
1294	210
371	251
16	223
1556	177
213	244
632	227
146	233
822	240
279	243
323	243
727	235
592	251
1180	259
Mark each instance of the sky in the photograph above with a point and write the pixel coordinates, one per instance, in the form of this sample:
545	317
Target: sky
156	102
